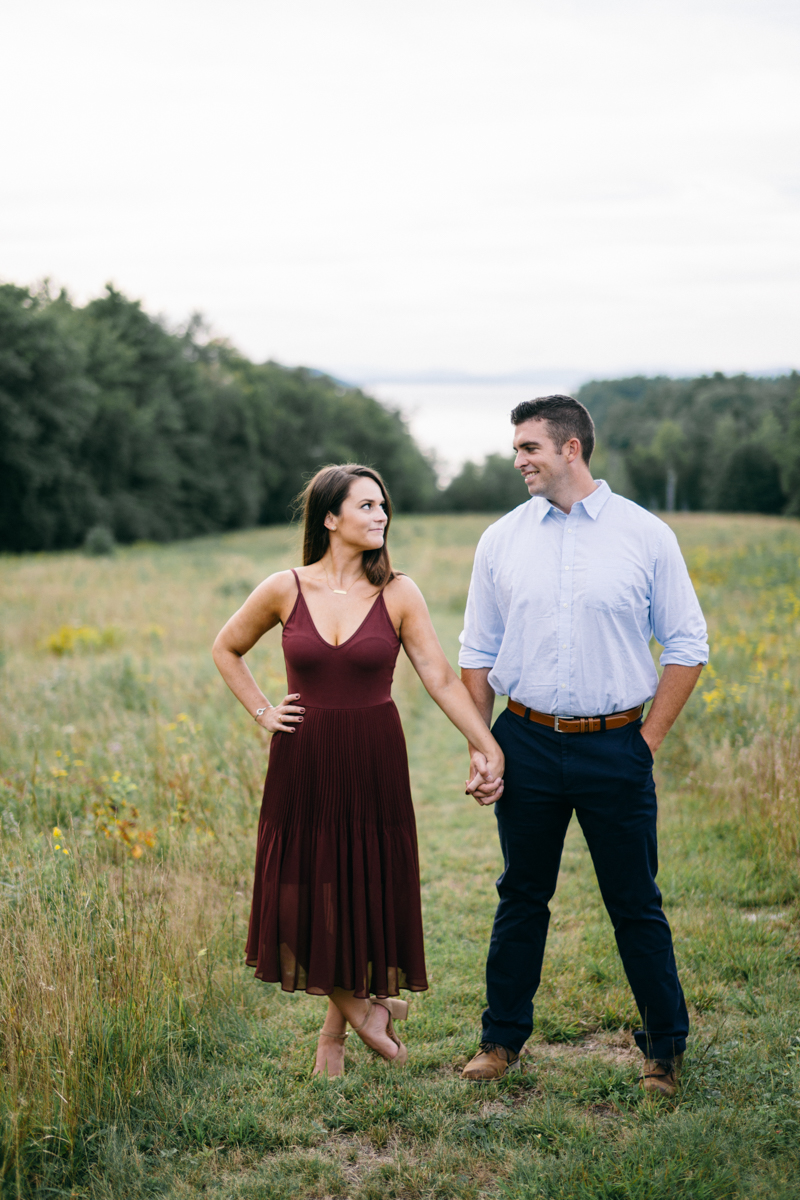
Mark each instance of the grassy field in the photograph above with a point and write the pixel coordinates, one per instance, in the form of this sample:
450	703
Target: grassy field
140	1058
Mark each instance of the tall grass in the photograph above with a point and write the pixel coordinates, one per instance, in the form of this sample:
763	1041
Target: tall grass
138	1055
747	573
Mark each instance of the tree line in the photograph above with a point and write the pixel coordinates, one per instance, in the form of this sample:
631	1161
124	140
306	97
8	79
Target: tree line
715	443
111	422
114	427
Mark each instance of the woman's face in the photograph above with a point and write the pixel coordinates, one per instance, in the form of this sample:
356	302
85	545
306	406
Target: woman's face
361	521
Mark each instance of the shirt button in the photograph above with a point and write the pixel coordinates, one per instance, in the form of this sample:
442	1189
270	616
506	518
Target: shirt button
566	568
563	685
564	605
564	646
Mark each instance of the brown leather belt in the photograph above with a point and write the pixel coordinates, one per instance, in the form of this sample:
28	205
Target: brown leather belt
577	724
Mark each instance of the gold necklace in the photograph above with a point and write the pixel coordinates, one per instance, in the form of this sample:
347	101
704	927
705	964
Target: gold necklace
341	591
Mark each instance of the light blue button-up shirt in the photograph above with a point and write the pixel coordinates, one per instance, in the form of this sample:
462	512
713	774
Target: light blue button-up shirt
562	607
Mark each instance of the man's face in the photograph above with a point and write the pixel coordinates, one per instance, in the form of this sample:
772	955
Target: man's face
543	467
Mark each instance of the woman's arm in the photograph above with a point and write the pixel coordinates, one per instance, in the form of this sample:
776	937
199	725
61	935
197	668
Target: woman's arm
442	684
264	608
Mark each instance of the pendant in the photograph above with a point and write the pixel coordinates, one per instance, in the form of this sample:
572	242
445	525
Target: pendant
338	592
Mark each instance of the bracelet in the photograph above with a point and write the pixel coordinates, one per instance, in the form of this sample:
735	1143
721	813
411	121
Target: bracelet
260	712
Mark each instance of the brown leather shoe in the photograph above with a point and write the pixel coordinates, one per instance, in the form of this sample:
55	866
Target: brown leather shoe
660	1076
491	1062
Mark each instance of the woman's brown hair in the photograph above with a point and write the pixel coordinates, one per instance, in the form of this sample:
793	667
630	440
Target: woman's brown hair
324	494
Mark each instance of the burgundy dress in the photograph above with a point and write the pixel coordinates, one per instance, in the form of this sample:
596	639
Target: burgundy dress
336	898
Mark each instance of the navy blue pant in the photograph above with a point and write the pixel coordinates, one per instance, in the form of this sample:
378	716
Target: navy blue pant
607	779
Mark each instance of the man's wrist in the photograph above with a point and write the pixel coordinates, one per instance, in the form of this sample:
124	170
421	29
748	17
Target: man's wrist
654	737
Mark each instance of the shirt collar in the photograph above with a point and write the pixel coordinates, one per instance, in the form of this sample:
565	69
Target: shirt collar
591	504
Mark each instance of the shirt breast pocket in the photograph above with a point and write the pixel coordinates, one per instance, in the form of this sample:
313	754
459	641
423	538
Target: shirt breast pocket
610	588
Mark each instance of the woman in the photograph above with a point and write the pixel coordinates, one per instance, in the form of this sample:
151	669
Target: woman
336	903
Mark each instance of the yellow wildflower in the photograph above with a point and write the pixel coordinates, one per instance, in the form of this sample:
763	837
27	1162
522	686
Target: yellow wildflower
56	831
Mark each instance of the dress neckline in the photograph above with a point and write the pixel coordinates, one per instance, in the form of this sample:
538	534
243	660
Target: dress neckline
325	642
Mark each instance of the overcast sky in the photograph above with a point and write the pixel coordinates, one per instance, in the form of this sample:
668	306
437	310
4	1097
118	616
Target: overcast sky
375	188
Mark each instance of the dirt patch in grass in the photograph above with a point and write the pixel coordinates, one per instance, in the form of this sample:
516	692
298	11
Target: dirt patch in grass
357	1157
618	1048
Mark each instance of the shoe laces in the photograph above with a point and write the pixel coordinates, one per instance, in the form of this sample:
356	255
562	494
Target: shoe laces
667	1065
500	1051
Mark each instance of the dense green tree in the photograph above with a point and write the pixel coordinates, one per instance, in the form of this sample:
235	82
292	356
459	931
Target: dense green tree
107	418
47	404
715	442
110	420
304	419
751	482
726	439
789	457
493	486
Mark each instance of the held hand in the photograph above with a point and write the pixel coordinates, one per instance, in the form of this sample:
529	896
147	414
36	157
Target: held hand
486	784
281	718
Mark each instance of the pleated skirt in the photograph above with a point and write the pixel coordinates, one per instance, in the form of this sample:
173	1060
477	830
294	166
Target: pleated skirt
336	898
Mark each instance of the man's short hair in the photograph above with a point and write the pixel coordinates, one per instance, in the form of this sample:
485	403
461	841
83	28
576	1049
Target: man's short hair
566	418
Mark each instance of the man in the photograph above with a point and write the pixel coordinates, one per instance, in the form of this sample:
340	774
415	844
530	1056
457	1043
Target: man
566	592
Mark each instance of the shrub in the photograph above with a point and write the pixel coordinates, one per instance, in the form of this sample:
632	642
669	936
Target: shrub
99	541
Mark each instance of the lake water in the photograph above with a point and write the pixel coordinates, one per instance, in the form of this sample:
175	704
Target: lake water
461	421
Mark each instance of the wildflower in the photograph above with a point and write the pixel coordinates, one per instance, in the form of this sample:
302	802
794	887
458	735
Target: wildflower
56	831
78	762
65	851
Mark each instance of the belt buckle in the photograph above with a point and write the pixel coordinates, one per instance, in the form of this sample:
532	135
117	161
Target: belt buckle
556	726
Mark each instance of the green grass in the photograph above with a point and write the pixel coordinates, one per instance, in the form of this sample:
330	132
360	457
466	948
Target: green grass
140	1058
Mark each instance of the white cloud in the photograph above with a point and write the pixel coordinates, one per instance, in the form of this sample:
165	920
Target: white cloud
484	185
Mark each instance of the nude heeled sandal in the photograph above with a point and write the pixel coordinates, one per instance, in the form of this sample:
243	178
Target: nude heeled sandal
398	1011
335	1037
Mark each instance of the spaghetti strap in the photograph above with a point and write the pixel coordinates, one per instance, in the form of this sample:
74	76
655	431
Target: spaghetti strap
296	579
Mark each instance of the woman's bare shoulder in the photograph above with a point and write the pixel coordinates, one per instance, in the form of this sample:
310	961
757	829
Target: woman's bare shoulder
402	591
279	587
268	603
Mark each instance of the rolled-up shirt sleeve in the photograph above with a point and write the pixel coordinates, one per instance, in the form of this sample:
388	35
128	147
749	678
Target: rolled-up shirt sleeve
484	627
675	614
